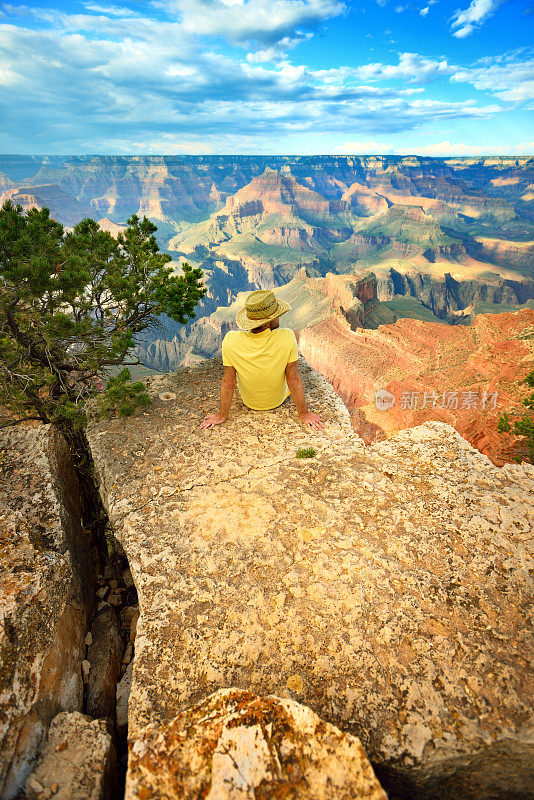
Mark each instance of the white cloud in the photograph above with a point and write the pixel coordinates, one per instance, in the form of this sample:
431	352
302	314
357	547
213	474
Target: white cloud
87	81
411	67
474	15
518	94
364	148
438	149
445	148
265	21
111	10
170	145
510	77
424	11
276	52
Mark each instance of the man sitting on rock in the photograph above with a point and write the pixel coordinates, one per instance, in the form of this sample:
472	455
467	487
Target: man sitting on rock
263	357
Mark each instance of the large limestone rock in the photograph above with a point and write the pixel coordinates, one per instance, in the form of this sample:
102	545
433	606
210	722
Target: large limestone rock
44	572
236	745
78	761
384	587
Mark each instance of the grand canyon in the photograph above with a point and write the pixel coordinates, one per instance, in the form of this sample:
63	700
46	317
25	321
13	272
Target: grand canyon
324	598
445	243
349	625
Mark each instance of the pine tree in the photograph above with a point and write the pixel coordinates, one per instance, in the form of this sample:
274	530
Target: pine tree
71	307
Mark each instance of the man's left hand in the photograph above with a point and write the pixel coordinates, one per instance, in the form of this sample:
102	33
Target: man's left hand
212	420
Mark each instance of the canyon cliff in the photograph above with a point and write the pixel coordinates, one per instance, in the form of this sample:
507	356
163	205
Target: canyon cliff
45	600
463	375
383	587
298	617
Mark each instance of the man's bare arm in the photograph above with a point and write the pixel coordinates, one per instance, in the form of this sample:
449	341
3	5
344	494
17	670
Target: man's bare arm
294	383
227	392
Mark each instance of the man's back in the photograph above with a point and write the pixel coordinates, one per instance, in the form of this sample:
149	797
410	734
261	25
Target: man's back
260	360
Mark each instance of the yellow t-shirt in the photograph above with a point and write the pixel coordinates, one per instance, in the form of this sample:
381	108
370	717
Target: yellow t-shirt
260	360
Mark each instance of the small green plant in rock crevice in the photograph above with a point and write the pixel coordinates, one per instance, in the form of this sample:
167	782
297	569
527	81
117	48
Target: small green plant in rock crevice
306	452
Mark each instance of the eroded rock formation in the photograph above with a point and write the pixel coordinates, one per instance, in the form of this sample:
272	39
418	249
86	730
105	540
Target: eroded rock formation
463	375
384	587
446	295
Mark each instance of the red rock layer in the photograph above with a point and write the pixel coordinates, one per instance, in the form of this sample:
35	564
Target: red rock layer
410	358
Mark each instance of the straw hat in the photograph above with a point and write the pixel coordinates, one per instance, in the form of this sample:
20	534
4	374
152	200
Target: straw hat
261	307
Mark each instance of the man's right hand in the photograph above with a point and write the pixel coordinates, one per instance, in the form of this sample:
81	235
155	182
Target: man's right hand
312	421
212	420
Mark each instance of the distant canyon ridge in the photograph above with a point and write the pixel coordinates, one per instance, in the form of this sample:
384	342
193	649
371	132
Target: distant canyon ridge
452	237
353	243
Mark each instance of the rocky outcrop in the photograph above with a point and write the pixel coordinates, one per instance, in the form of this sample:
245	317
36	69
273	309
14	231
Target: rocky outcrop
463	375
274	209
123	696
445	295
111	227
78	761
238	745
516	254
344	289
45	599
386	588
444	252
364	200
275	191
63	205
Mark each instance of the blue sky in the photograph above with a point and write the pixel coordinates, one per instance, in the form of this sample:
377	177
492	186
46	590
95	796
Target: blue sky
434	77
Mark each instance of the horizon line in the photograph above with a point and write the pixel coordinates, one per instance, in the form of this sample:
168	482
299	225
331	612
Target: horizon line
263	155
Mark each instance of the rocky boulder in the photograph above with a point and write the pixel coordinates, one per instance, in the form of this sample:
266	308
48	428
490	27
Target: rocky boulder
104	655
78	761
236	745
386	587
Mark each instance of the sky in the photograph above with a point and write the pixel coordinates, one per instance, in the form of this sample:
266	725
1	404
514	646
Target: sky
187	77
